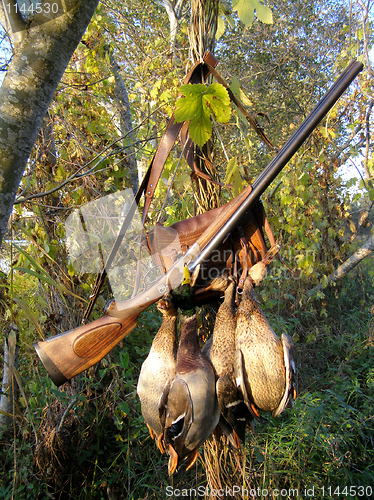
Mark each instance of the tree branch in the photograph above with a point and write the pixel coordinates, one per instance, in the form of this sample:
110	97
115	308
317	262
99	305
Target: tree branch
367	140
98	157
173	21
123	106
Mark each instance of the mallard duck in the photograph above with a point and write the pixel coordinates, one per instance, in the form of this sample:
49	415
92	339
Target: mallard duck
158	370
191	410
264	366
220	351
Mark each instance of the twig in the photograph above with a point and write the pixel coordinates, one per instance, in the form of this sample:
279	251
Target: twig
68	408
171	182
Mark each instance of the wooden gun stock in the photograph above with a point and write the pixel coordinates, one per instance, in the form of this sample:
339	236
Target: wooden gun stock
70	353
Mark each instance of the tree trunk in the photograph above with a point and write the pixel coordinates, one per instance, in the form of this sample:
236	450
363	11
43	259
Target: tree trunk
123	106
8	386
347	266
173	12
41	55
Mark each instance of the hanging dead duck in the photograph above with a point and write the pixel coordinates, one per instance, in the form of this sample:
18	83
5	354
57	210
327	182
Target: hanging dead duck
191	410
220	351
264	366
158	370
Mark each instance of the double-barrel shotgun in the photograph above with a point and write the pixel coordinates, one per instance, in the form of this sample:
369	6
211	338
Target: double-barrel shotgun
70	353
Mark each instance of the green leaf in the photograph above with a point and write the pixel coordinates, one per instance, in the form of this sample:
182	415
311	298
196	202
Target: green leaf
221	26
224	17
230	20
235	87
264	13
232	166
233	176
246	11
219	92
324	281
196	96
218	101
187	106
200	129
44	277
29	314
124	407
32	261
238	92
198	104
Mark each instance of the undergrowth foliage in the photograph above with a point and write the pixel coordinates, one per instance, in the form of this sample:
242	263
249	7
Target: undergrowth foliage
87	439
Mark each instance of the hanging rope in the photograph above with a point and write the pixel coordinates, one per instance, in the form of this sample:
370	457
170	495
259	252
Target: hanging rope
202	33
203	27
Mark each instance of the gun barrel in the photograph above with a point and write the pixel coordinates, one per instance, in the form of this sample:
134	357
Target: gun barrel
282	157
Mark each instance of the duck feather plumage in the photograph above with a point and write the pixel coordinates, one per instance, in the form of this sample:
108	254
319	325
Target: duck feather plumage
158	371
220	351
262	362
192	410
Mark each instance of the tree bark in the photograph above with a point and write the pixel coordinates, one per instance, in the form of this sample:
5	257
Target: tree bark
347	266
8	386
173	20
42	53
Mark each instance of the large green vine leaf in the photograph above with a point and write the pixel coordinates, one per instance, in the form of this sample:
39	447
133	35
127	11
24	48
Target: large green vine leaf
197	105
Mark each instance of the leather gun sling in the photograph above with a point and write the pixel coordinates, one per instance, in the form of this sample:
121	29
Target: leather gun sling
198	73
188	144
189	155
246	243
256	126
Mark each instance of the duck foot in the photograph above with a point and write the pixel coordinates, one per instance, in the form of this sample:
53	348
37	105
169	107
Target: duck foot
254	410
159	444
236	440
294	392
173	460
152	434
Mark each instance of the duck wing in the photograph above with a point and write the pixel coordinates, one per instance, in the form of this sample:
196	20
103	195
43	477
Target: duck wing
233	410
240	382
289	363
179	415
162	403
